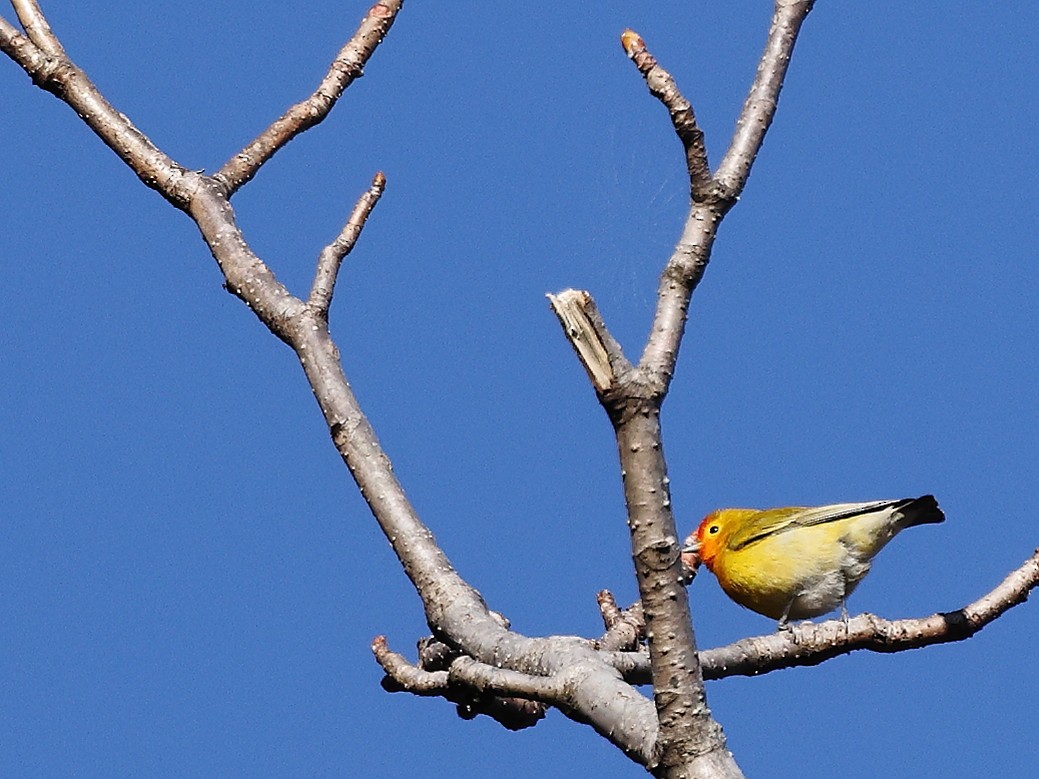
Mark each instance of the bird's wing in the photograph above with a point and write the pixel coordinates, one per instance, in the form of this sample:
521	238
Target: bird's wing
775	521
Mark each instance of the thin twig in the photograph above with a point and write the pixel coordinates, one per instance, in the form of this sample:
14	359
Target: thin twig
663	87
344	70
608	608
331	258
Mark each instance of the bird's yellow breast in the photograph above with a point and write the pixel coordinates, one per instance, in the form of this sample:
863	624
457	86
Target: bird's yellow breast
810	566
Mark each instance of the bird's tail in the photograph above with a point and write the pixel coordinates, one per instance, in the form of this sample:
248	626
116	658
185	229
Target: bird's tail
921	511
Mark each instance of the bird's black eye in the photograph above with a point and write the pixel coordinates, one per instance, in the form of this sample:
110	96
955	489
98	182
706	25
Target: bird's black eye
713	529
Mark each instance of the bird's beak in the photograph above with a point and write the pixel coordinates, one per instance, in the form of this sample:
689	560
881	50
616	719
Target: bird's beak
690	558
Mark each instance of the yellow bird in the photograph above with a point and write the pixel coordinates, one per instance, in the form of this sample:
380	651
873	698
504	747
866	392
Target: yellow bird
796	563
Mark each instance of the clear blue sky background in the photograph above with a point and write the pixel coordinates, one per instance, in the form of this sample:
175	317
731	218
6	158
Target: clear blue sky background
188	579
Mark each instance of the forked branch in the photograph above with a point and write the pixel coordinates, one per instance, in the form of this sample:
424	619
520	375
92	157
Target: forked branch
480	663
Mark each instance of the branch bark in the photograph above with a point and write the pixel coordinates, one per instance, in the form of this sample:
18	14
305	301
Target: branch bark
35	25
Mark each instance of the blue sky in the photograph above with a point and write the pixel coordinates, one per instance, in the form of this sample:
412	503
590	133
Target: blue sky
189	581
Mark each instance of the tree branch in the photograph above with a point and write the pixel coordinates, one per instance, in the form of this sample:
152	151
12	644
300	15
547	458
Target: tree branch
625	628
53	71
689	735
452	606
450	681
332	255
689	260
347	66
808	644
572	677
402	675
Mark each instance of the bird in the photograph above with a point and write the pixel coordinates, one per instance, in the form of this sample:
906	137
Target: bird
798	562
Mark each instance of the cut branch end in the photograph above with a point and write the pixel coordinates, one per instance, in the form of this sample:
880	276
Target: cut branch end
586	332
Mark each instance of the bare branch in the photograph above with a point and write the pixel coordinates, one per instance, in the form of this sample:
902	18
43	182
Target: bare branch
690	740
504	681
619	715
807	644
570	675
663	87
35	25
689	735
451	604
344	70
332	255
246	275
608	608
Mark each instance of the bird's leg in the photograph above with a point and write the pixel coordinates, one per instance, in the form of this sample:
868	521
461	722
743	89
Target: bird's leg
783	623
844	605
844	619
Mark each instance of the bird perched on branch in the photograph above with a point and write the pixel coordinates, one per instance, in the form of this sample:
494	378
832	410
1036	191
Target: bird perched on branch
796	563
